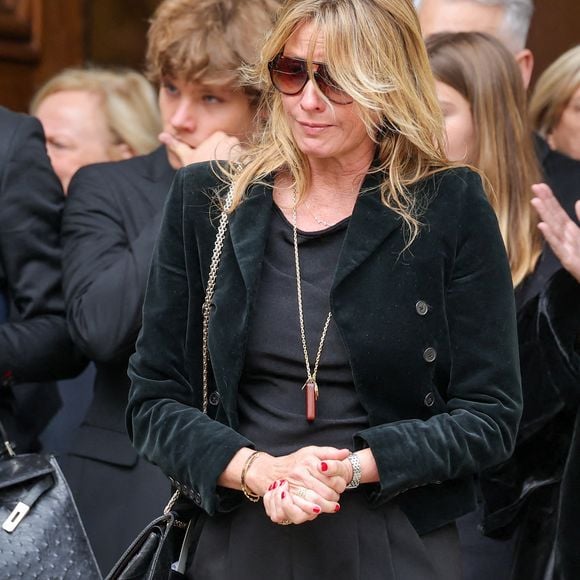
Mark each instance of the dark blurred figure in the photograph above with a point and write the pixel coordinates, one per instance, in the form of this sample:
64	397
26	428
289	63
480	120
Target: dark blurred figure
91	115
484	104
34	341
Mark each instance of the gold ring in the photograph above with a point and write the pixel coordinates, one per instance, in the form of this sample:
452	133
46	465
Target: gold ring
300	492
285	522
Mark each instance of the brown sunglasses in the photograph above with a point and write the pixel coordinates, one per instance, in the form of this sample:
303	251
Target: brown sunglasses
289	76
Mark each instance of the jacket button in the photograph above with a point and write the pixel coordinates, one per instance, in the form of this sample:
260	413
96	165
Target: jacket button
429	399
214	398
422	308
429	354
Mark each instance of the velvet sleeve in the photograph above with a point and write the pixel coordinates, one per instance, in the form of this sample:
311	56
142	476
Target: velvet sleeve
164	418
483	400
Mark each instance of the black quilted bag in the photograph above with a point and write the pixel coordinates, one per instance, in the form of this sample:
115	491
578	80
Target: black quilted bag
42	536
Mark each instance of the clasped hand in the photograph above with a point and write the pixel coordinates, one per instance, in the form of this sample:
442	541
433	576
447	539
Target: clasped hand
304	484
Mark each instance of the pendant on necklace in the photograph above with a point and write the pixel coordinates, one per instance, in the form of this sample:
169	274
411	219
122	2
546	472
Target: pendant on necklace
311	390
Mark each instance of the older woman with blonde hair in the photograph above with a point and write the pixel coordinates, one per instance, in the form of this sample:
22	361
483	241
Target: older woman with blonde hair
94	115
555	104
355	379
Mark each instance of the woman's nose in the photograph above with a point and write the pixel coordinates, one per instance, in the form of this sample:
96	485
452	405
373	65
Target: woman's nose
311	99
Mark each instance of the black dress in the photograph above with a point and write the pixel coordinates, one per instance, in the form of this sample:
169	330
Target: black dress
357	542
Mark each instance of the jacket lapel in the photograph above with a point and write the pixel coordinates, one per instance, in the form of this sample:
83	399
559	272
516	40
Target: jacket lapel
370	224
249	226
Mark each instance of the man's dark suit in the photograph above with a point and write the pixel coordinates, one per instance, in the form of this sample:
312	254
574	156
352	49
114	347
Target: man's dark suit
110	225
34	341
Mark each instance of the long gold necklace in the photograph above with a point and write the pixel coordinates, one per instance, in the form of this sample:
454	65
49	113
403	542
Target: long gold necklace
310	386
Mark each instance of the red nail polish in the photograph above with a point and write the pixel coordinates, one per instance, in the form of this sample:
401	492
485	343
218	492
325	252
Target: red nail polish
275	485
337	507
271	487
282	481
316	509
283	494
324	466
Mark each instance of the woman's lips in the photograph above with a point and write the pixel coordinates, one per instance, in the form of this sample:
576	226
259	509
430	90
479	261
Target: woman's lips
313	128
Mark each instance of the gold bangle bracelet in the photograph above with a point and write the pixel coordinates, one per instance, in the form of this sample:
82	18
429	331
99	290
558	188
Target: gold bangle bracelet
247	491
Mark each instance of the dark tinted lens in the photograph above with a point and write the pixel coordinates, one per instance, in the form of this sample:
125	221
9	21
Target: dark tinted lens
329	87
289	75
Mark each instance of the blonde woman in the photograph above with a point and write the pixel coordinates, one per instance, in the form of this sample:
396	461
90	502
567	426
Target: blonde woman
357	379
555	104
95	115
484	105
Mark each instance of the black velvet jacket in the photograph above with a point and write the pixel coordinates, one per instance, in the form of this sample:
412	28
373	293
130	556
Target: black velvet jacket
430	333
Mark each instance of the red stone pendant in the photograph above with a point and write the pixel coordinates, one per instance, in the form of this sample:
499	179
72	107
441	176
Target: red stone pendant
311	390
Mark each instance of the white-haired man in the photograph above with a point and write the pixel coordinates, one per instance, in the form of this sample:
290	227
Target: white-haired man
507	20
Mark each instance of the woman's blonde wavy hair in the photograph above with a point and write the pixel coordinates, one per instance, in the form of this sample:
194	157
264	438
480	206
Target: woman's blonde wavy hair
485	73
375	53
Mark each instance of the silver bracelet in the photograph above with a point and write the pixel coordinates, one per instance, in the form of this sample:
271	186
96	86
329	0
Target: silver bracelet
356	471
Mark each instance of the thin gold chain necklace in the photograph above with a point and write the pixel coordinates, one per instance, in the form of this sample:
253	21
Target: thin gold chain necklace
310	386
317	219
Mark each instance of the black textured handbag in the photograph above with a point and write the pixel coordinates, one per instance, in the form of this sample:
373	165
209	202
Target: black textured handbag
42	536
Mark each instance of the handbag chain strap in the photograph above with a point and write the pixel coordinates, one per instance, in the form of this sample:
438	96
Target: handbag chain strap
206	308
